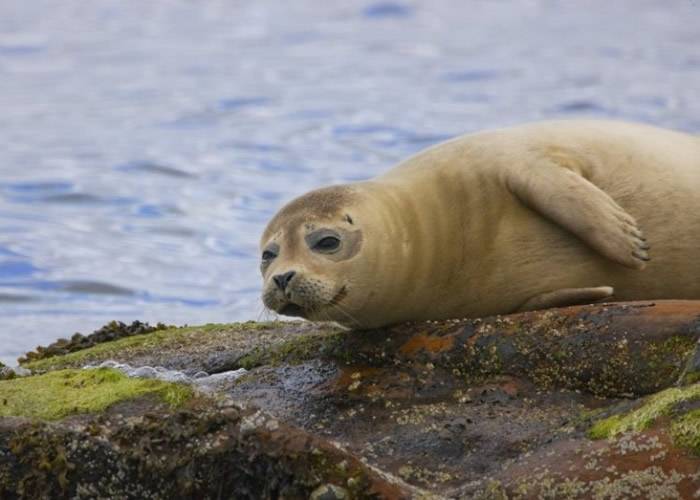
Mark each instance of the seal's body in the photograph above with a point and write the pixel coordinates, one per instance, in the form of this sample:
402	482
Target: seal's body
535	216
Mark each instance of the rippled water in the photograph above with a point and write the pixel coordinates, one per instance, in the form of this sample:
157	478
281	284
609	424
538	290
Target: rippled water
143	145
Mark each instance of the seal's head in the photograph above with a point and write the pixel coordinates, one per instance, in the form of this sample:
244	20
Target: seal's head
311	255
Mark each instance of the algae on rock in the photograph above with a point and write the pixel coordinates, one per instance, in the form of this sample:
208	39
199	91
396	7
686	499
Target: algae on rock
654	407
62	393
685	426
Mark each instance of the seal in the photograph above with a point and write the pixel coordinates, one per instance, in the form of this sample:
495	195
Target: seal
529	217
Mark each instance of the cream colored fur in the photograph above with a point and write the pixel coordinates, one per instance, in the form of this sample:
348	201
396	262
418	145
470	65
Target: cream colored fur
533	216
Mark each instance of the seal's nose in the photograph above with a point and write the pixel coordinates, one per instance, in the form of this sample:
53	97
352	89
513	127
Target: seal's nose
282	280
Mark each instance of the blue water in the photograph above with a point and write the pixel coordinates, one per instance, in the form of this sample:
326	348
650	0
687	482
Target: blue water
143	145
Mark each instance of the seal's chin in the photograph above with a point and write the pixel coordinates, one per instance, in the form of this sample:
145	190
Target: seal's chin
291	309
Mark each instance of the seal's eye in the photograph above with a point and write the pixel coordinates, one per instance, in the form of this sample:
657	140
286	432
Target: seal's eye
324	241
270	253
327	244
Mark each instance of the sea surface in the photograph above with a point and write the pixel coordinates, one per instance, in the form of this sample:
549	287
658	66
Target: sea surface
144	144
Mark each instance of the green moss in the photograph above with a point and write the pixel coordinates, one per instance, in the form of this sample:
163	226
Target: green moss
138	343
686	431
658	405
605	428
58	394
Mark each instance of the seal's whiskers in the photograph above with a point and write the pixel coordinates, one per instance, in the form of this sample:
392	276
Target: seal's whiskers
347	314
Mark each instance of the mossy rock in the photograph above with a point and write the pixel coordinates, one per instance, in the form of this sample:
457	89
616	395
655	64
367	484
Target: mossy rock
211	347
125	346
58	394
205	450
500	406
679	404
686	431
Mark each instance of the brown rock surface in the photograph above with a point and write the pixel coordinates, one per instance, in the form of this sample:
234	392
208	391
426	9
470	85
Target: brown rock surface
502	407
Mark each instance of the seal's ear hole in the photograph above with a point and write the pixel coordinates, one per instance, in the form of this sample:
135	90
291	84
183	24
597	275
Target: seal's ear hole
348	218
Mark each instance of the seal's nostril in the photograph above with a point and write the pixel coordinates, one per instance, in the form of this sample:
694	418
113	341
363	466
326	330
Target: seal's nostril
282	280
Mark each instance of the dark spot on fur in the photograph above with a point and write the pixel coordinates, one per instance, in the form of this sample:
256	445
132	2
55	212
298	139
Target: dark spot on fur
348	218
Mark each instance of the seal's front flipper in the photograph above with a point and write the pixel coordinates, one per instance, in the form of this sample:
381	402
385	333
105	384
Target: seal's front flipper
566	297
576	204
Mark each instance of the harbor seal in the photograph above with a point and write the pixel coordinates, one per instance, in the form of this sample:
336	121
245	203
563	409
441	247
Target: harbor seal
528	217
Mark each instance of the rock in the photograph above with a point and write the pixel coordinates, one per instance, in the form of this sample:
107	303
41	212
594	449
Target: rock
21	372
691	373
145	372
190	452
329	492
111	331
568	403
7	373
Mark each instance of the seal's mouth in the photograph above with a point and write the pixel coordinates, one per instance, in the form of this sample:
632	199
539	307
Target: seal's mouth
292	309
